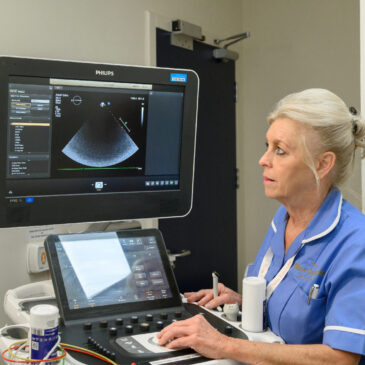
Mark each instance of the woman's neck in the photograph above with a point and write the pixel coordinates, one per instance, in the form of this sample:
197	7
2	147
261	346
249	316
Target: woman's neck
301	211
302	208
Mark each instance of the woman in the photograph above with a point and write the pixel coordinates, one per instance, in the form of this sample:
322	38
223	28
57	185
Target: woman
315	237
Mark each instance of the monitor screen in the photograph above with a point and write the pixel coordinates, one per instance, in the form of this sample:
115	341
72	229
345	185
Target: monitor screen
88	142
110	271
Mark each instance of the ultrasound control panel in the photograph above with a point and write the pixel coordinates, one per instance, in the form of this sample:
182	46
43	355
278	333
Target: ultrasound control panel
116	291
132	338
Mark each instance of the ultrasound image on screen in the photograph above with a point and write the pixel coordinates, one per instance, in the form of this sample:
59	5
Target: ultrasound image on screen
101	129
99	145
103	269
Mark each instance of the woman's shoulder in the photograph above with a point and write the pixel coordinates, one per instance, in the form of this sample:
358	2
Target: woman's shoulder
352	215
351	229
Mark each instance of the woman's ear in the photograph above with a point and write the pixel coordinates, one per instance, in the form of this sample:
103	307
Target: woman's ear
325	164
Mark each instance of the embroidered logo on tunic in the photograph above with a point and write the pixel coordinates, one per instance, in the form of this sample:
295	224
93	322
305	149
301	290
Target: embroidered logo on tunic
309	273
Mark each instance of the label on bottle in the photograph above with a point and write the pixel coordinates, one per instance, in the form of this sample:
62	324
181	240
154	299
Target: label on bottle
42	341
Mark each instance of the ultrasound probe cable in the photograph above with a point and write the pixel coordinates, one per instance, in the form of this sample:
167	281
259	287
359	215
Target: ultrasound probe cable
69	347
22	360
25	344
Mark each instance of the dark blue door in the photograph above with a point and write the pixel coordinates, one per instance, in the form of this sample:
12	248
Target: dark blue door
209	231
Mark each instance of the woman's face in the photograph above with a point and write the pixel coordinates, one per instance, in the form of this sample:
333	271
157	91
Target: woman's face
286	176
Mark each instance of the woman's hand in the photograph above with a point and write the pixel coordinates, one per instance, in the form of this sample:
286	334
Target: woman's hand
195	333
206	298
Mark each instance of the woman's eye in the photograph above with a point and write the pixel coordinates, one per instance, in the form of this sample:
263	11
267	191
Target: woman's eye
279	151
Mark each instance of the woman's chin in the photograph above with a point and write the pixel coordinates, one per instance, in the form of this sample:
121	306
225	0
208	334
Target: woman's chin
269	192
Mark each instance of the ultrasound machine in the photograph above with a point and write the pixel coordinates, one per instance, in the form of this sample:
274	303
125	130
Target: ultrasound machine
87	142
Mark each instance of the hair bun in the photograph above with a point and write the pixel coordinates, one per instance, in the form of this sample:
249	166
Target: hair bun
353	110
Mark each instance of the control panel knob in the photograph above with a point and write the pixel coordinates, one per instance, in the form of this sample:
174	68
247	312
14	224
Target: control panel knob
149	317
103	323
178	314
228	330
99	348
113	331
89	340
88	326
129	328
144	327
112	356
159	325
163	315
134	319
119	321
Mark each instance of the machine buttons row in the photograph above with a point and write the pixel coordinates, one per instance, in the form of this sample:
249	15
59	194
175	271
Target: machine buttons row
100	349
144	326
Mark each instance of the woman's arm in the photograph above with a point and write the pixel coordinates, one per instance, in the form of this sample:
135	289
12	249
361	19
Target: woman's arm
198	334
276	354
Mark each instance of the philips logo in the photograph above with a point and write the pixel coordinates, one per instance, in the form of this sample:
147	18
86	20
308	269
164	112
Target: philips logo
104	73
178	77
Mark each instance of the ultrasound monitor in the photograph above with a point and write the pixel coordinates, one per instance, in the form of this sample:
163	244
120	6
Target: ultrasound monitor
86	142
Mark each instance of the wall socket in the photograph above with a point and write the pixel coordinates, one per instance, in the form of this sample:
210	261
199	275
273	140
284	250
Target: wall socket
36	258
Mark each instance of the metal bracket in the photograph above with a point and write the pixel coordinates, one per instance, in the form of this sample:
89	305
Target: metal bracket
183	34
226	54
183	41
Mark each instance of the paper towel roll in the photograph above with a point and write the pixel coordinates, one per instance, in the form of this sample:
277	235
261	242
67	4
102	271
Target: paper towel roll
253	304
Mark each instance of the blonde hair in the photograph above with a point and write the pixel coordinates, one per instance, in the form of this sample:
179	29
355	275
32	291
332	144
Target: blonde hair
339	130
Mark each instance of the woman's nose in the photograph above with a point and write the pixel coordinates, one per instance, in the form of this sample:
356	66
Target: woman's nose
264	160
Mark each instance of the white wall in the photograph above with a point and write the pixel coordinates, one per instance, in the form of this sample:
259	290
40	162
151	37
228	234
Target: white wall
102	31
294	45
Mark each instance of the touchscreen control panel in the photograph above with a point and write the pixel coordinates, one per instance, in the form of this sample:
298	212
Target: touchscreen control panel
116	291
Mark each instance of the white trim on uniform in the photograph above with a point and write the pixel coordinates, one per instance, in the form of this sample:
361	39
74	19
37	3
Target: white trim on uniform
330	228
266	262
273	226
344	329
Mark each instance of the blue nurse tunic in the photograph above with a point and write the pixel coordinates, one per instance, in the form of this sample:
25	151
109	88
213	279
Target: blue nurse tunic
330	252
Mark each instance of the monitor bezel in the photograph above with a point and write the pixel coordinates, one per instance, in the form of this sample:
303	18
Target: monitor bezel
68	314
104	206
